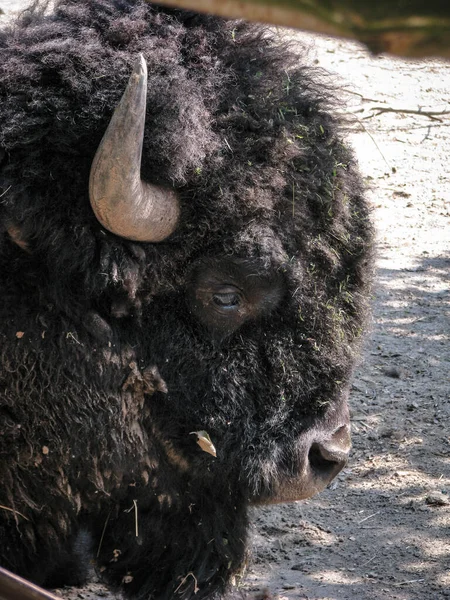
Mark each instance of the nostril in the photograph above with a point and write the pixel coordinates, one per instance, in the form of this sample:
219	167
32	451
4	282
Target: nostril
331	454
322	455
322	461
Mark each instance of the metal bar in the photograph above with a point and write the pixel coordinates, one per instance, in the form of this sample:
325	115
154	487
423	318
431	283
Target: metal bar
13	587
417	28
265	11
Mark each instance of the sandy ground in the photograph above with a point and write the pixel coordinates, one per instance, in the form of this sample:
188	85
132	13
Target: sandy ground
382	531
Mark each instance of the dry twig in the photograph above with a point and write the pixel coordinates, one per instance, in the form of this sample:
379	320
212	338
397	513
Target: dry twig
431	114
103	534
15	512
409	581
183	581
369	517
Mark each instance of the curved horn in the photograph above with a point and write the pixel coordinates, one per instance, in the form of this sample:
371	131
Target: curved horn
121	201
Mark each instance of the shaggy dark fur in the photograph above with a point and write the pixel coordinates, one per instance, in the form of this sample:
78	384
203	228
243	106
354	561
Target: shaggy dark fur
93	328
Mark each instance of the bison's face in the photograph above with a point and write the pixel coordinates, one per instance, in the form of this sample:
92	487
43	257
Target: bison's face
253	341
237	355
237	365
231	294
239	337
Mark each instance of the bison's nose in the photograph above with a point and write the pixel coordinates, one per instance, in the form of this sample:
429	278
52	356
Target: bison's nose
327	457
322	460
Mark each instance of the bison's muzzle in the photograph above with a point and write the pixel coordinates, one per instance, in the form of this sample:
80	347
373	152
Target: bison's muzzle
323	461
319	455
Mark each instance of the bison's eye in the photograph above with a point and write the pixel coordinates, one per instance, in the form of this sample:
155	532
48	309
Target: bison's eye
225	293
227	300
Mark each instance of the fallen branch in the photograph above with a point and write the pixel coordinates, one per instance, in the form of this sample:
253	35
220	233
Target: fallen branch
431	114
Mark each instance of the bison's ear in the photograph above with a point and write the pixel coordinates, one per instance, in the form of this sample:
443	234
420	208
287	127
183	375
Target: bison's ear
15	235
122	202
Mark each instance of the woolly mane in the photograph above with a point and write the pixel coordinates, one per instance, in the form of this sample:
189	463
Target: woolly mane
247	137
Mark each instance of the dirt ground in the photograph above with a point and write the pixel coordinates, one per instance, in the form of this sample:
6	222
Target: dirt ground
382	530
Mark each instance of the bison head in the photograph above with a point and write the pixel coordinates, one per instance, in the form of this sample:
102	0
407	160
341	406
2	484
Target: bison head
207	293
223	293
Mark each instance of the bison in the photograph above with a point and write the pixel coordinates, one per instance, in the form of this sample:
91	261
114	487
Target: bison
185	265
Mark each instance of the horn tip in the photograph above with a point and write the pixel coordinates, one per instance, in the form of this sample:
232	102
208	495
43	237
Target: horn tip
140	65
